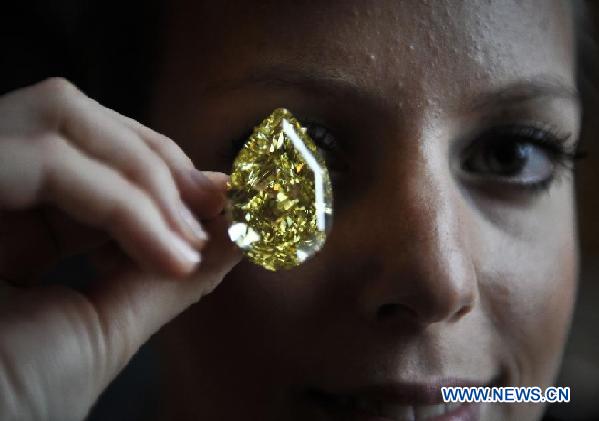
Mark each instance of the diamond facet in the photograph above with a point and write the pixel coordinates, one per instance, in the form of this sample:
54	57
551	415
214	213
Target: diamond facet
280	194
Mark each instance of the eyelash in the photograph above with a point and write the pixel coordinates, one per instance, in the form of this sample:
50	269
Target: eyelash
325	141
547	139
553	144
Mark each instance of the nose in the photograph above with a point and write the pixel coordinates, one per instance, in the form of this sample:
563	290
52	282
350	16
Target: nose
423	268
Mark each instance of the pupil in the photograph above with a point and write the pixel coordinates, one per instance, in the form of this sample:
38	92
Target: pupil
508	158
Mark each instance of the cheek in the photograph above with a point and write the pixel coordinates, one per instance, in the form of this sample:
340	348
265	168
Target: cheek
527	290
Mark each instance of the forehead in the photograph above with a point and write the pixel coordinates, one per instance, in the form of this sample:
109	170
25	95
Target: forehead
437	48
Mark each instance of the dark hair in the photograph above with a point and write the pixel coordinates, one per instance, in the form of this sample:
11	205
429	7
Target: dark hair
106	48
586	18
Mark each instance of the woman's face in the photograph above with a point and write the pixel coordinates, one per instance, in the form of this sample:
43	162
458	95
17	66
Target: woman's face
452	259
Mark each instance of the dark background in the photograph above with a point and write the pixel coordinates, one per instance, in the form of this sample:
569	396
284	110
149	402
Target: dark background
106	48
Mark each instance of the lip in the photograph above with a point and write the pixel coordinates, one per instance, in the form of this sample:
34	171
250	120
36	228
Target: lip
394	402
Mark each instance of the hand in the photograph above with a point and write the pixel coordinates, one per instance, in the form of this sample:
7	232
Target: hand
76	177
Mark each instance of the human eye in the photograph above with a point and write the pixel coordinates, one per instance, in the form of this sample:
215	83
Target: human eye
524	157
330	148
324	139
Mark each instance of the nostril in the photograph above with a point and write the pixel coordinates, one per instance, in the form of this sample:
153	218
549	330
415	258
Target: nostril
386	311
391	310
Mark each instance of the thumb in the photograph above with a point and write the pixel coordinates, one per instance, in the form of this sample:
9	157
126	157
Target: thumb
133	305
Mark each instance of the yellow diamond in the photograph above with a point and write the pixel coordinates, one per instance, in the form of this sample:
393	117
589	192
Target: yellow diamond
280	194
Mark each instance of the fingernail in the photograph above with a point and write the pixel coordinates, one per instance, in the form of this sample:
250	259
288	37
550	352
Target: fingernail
192	223
198	178
202	181
184	250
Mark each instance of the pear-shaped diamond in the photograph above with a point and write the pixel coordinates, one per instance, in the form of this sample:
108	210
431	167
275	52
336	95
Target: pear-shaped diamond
280	194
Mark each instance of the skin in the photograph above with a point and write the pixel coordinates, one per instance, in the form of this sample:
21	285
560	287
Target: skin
78	178
433	272
429	273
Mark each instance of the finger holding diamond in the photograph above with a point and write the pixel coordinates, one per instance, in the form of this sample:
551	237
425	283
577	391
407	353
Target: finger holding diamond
126	212
98	133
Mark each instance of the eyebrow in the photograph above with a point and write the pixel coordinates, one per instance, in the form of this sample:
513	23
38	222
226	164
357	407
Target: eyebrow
339	84
526	90
329	82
